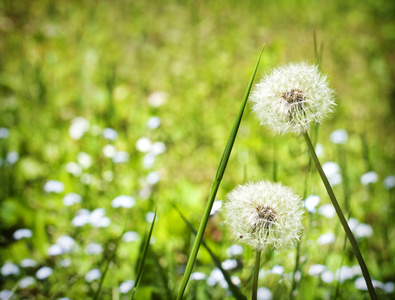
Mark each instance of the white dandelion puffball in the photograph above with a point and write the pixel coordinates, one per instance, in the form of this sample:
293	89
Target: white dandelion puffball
264	213
292	96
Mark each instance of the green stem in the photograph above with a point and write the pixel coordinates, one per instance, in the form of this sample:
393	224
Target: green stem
256	273
343	221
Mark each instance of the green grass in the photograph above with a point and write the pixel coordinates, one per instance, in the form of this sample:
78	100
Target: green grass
102	60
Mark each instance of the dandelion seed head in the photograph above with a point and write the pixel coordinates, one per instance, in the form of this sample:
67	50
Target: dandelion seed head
264	213
292	96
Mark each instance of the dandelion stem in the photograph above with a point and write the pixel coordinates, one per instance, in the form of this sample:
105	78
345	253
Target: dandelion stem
256	273
343	221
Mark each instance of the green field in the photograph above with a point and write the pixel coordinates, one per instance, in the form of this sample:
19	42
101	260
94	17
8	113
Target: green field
112	109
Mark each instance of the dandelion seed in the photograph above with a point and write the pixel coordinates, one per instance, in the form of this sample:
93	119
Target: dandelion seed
368	178
198	276
92	275
44	273
110	134
292	96
22	233
54	186
264	213
126	286
389	182
9	269
339	136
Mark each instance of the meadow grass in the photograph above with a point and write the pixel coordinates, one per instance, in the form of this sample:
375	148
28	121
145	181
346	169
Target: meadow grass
110	109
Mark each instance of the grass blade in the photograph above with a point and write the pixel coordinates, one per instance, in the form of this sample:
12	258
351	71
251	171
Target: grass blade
343	221
143	257
235	290
215	186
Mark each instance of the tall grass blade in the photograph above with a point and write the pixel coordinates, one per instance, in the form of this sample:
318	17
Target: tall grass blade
143	257
343	221
216	183
235	290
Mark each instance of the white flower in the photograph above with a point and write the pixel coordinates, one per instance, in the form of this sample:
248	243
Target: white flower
143	144
9	269
389	182
198	276
327	276
292	96
27	281
264	213
339	136
234	250
109	150
149	217
332	171
158	148
153	122
327	210
4	132
389	287
126	286
326	238
54	186
130	236
23	233
216	207
78	127
153	177
120	157
157	99
12	157
92	275
363	230
264	294
65	263
44	273
6	295
229	264
84	159
28	263
71	198
369	177
123	201
311	202
277	269
215	277
93	249
360	284
110	134
316	270
74	168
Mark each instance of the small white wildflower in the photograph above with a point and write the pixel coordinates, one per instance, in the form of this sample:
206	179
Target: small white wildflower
198	276
126	286
229	264
216	207
74	168
319	150
316	270
84	159
110	134
326	238
66	262
86	178
109	151
153	178
26	282
235	280
120	157
153	122
327	210
4	132
78	127
44	273
277	269
264	213
149	217
108	175
363	230
6	295
149	160
12	157
292	96
157	99
28	263
144	144
344	273
54	250
369	177
158	148
71	198
54	186
389	287
360	284
66	243
327	276
264	294
9	269
311	202
389	182
332	171
22	233
339	136
93	249
215	277
234	250
130	236
353	223
123	201
92	275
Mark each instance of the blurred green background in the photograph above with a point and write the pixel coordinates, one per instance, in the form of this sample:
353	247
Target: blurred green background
168	77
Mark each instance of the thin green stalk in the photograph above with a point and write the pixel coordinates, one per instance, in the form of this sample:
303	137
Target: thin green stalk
256	274
218	177
343	221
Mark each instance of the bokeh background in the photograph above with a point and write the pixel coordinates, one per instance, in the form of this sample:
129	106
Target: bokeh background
110	109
